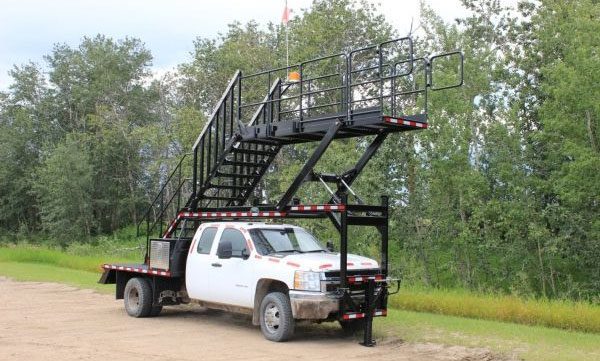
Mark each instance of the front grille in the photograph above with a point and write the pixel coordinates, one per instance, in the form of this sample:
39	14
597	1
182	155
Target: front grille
335	275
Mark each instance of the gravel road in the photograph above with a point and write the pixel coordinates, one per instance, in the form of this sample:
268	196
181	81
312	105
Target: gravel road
49	321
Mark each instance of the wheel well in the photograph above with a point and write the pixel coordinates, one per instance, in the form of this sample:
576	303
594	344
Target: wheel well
263	287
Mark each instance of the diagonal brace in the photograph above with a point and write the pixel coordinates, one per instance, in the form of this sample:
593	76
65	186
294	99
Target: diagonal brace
308	167
351	175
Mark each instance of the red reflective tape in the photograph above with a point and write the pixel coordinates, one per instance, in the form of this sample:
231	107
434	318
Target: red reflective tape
350	264
326	265
257	256
351	316
409	123
366	263
276	260
293	264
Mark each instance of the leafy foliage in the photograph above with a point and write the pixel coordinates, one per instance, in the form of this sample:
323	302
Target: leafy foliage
500	193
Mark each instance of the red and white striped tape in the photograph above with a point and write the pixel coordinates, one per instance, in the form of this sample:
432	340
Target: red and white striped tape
138	270
262	214
355	315
230	214
409	123
359	279
317	207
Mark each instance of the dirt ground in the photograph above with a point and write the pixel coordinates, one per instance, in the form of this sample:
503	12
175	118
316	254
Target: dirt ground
49	321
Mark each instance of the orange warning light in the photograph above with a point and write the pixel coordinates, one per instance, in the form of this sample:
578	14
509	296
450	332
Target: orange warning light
293	76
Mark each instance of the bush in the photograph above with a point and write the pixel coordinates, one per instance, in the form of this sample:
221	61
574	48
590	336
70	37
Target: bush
580	316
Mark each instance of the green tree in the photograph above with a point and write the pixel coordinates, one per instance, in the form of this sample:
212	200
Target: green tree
64	186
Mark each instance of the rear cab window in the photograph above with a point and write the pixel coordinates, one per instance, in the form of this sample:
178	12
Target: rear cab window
206	240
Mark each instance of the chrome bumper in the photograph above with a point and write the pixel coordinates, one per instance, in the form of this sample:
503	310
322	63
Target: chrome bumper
313	305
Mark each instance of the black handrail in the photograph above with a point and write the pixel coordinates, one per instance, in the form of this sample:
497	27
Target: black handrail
177	169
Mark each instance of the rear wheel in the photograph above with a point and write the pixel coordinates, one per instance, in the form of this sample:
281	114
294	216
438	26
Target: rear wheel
276	319
138	297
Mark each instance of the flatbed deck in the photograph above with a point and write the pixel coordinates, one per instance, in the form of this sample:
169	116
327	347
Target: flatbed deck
136	268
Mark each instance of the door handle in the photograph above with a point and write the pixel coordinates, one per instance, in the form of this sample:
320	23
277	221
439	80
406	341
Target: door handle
216	265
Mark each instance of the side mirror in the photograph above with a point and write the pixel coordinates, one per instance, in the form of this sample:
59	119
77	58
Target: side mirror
224	249
245	254
330	246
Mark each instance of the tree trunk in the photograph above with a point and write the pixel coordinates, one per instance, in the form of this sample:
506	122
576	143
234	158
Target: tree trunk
542	275
591	129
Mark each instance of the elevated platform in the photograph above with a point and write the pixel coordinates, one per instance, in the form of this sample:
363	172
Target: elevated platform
358	124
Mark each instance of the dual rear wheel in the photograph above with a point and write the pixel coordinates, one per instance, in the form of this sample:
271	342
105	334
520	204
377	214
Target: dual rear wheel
138	298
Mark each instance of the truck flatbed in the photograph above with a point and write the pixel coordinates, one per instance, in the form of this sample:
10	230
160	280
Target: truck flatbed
136	268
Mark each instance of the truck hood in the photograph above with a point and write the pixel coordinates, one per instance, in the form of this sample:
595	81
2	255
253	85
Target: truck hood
328	261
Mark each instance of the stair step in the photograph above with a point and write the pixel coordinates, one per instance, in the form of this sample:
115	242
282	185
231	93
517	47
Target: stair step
233	175
215	198
254	152
226	186
245	164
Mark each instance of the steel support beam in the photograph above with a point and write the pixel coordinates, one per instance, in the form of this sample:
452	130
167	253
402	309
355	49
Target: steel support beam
308	167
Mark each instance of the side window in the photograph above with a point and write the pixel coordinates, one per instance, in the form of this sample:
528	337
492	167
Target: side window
237	239
206	240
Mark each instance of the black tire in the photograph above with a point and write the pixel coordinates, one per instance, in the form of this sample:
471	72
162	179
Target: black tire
352	327
138	297
276	319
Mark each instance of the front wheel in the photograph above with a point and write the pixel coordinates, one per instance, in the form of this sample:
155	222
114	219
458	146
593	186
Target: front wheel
276	319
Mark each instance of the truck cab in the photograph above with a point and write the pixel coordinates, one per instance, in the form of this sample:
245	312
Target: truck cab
277	273
271	271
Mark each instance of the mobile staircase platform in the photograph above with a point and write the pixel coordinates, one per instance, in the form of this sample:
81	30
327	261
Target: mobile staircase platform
372	91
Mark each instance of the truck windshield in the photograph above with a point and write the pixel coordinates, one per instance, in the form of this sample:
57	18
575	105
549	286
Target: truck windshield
284	240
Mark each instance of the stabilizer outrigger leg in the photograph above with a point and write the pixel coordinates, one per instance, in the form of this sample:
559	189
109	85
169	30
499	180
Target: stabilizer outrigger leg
370	298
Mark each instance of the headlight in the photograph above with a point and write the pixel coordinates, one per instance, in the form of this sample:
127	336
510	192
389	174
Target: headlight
307	281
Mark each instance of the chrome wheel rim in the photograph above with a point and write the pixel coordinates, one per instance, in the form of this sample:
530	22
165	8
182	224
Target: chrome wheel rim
272	317
133	298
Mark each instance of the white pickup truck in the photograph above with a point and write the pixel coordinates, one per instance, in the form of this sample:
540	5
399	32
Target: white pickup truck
276	273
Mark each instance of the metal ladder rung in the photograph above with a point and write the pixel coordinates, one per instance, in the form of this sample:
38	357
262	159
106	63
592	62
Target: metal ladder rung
253	152
233	175
244	164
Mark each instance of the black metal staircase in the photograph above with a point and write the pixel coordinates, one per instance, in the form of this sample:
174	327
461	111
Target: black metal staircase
375	90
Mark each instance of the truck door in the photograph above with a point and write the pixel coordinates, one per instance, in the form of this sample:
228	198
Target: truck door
232	280
198	265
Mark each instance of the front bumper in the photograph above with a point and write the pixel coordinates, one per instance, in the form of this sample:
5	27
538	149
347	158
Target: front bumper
308	305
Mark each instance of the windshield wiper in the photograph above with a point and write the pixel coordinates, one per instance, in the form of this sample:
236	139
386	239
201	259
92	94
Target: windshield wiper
315	250
287	251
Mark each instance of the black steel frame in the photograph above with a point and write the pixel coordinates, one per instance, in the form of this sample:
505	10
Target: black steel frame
370	92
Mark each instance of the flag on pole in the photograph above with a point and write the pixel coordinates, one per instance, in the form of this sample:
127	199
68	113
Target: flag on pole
286	15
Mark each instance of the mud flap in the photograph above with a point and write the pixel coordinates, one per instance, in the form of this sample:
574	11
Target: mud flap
109	277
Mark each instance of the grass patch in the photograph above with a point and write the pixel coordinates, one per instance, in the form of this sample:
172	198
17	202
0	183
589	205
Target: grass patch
48	256
530	343
580	316
51	273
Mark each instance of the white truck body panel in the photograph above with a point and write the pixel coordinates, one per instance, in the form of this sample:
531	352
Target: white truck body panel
233	281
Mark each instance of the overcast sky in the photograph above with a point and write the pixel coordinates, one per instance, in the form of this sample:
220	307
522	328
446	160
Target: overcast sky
29	28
